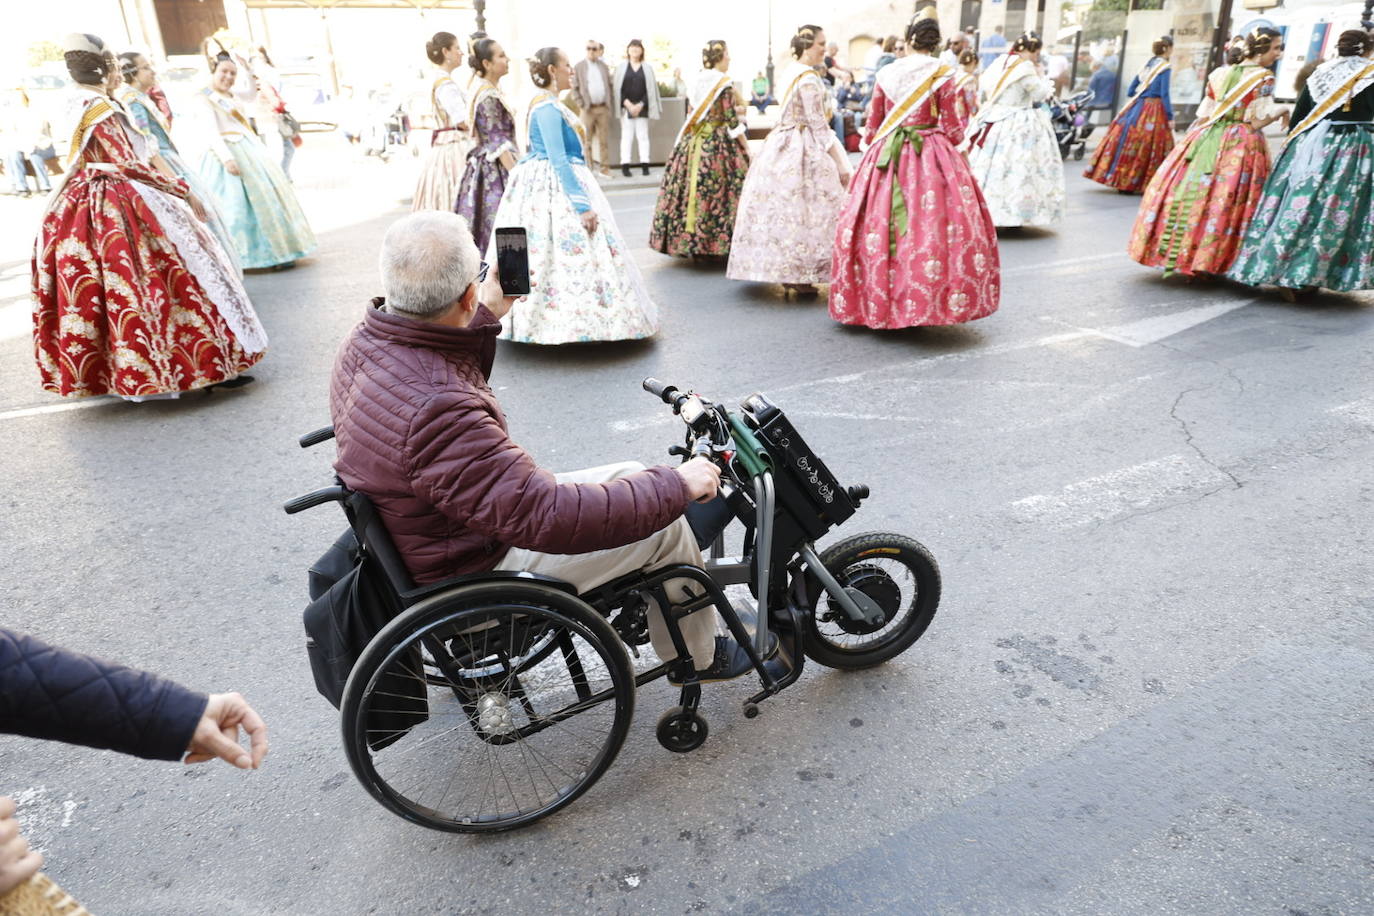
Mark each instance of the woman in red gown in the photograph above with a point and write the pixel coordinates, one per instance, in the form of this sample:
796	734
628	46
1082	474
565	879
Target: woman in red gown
915	243
133	294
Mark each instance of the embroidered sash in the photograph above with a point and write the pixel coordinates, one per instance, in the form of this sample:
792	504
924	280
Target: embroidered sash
229	108
1339	97
97	111
700	112
1146	81
900	134
1235	97
913	100
484	90
1004	82
129	95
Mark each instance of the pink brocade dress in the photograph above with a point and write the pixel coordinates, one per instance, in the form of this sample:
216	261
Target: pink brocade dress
930	256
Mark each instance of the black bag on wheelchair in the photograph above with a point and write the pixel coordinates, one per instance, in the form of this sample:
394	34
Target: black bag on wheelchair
348	607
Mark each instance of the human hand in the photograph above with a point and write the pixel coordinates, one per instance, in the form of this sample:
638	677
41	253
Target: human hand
494	298
844	178
217	733
197	208
18	863
702	477
589	222
231	167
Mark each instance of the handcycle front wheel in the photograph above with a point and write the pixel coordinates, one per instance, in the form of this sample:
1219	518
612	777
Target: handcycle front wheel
896	573
488	707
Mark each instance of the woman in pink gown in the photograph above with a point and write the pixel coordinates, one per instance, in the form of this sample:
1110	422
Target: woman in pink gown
915	243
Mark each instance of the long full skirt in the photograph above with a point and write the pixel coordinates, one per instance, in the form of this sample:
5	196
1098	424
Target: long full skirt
584	288
695	213
133	296
1132	149
259	207
1315	225
479	194
943	269
1019	169
1192	220
441	176
785	225
208	202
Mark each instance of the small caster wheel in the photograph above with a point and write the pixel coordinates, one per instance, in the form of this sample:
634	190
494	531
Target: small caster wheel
681	730
751	710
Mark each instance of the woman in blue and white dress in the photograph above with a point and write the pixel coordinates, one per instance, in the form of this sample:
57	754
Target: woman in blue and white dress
586	285
254	196
139	77
1012	149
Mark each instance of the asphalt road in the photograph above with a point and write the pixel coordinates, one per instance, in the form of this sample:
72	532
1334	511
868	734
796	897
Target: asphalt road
1149	688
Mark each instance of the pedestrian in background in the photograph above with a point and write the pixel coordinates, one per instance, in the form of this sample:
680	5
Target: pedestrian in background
132	294
593	87
450	141
1196	209
139	77
53	694
993	47
27	141
275	124
586	285
636	99
785	226
966	86
1142	133
255	199
1013	151
759	96
702	181
493	127
1315	226
915	244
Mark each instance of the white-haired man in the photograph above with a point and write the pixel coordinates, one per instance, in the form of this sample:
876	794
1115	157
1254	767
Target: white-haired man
420	432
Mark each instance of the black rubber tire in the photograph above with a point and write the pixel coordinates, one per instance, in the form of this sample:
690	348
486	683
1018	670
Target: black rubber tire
681	731
849	552
448	608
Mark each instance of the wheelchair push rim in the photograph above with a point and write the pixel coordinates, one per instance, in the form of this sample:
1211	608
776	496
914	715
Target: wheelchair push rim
488	709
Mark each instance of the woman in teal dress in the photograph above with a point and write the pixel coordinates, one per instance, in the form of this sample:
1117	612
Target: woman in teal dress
255	197
1315	225
148	118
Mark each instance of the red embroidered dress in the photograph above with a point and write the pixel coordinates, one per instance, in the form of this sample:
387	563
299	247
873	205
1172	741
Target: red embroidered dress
132	294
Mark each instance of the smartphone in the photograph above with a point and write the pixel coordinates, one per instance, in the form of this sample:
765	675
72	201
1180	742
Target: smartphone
513	261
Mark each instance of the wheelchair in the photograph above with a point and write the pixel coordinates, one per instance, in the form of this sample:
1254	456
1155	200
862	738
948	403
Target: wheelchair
492	700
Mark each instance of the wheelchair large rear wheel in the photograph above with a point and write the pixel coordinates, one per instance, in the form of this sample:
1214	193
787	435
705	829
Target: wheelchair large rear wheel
894	572
488	707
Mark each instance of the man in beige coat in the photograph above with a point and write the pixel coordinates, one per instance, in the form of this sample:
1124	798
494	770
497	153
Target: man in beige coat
592	83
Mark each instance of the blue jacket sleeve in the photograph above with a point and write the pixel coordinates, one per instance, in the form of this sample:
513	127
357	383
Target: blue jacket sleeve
550	124
47	692
1162	88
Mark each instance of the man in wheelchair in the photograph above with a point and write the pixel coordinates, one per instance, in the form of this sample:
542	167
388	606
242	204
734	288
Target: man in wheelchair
419	431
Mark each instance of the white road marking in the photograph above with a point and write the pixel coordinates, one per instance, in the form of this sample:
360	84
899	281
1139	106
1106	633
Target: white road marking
16	320
41	815
22	412
1152	330
1128	489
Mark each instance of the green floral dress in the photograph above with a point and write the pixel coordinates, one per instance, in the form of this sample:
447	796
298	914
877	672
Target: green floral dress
1315	225
695	215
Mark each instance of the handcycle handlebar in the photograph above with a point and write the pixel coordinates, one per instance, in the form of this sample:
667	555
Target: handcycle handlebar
323	434
317	498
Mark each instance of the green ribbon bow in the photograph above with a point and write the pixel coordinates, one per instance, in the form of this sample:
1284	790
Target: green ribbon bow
900	220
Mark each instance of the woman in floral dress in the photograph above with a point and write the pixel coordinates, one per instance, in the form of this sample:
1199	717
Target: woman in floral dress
255	198
133	295
966	86
586	286
785	226
1142	133
450	141
1012	150
147	116
695	215
916	245
490	161
1197	207
1315	225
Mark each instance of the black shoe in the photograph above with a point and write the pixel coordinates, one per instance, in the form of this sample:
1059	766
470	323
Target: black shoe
730	661
237	381
625	170
646	170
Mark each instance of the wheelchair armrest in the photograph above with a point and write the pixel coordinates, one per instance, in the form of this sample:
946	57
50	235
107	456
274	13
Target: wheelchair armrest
424	591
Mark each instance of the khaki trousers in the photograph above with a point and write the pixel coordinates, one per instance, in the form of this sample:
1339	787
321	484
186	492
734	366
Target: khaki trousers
596	121
674	544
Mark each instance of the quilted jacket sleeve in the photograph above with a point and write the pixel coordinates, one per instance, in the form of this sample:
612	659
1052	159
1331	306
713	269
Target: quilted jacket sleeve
464	463
47	692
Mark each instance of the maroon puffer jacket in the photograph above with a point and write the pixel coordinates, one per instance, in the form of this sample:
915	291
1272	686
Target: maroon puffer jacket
419	431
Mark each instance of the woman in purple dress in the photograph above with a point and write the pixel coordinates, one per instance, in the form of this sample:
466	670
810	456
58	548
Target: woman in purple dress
484	180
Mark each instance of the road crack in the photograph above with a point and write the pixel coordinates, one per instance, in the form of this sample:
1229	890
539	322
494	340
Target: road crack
1191	440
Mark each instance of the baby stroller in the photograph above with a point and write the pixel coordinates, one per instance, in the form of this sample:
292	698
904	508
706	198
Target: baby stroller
1072	127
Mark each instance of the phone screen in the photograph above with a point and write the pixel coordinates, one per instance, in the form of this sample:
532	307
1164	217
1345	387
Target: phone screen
513	261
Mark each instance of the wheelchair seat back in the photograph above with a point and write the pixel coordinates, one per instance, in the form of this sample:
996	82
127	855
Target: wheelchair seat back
372	536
